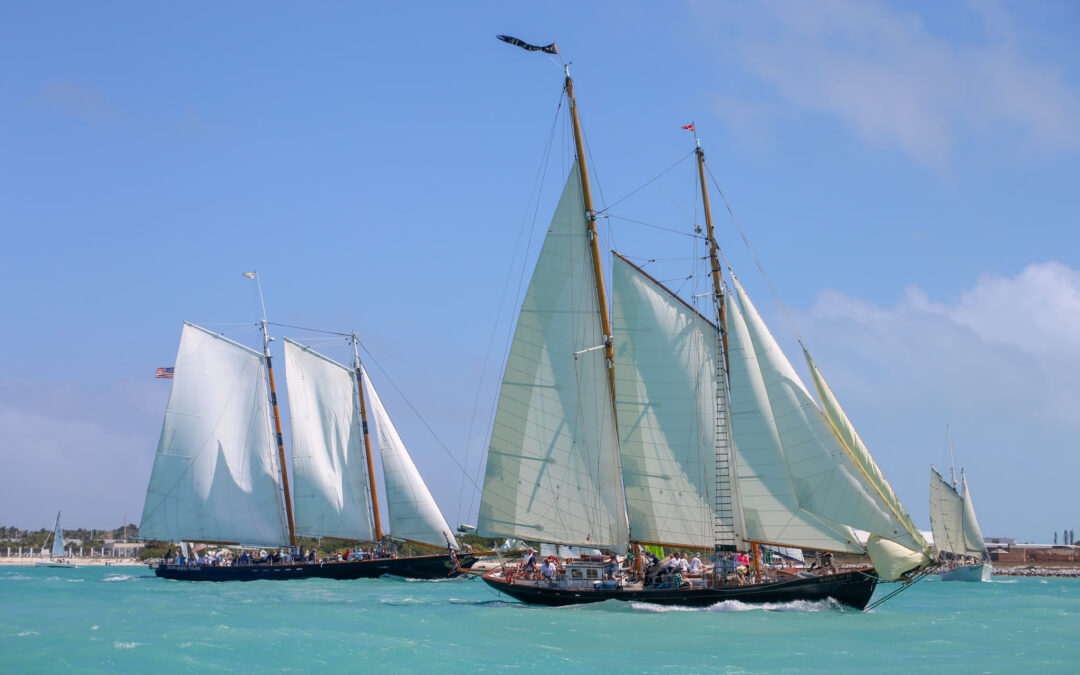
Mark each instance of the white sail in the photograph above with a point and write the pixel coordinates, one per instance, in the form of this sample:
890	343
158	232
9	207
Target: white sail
414	515
216	475
861	458
946	515
828	481
552	468
667	379
58	539
771	502
973	539
331	497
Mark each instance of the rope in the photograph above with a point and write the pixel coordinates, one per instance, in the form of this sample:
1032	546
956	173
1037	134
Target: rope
313	330
538	188
645	184
896	592
412	407
754	255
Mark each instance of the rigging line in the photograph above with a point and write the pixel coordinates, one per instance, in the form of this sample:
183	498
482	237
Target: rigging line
757	260
313	330
658	227
411	406
645	184
636	157
538	187
892	594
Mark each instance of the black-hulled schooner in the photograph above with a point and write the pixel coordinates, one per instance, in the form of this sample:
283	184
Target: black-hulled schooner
219	474
663	427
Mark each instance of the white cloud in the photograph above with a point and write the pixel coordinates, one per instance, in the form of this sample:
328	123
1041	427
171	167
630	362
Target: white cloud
901	84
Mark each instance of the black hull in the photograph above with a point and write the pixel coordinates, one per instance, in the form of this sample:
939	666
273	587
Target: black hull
852	589
418	567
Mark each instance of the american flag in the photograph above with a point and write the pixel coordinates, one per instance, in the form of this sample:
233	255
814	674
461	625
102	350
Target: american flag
164	373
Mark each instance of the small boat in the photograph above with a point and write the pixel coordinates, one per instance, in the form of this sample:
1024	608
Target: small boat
660	426
56	553
963	555
219	473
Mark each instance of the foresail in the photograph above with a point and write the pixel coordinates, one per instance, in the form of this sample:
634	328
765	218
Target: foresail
860	456
973	539
828	481
331	497
414	515
667	379
946	515
215	474
552	468
771	503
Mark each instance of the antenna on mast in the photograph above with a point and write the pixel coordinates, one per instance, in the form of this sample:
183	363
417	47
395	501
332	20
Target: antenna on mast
952	457
274	408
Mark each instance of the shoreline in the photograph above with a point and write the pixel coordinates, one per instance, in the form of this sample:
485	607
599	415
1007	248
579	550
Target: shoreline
1032	571
81	562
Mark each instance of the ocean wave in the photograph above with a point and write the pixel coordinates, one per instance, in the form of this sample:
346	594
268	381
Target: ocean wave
1004	581
118	577
126	645
737	606
404	602
28	632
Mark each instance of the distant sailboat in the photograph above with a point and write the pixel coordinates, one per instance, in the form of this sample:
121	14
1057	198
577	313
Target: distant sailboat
704	427
219	475
56	554
956	531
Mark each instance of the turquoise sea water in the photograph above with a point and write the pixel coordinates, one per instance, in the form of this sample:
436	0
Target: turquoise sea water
108	619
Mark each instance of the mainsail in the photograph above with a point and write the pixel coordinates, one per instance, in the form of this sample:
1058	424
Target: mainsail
330	480
668	375
946	515
413	513
58	539
553	467
952	518
215	474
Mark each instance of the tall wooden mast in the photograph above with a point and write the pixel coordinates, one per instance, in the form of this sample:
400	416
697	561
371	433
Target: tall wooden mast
274	406
594	242
277	432
718	291
367	438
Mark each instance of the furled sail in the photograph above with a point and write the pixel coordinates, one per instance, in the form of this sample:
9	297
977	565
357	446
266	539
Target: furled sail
553	467
58	539
771	502
861	457
413	512
828	479
330	481
946	515
973	538
215	474
667	380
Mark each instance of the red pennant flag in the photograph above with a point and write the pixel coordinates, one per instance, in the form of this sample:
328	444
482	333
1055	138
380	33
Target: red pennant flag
689	127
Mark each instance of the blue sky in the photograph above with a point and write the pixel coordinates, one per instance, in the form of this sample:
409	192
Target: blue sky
907	173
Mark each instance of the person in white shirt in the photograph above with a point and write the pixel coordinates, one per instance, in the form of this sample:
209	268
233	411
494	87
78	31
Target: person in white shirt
547	570
695	565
